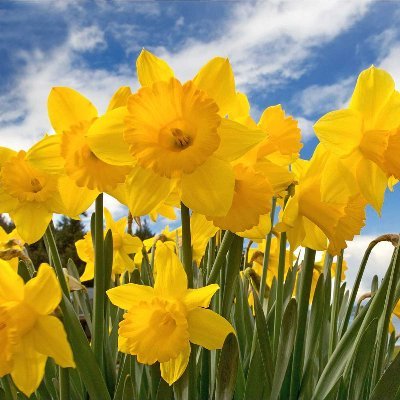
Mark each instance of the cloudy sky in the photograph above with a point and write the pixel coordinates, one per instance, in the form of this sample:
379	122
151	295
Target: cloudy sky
305	55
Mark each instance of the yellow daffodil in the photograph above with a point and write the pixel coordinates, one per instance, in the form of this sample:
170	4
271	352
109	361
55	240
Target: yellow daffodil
366	135
124	245
178	135
28	333
72	117
259	232
11	247
309	221
161	322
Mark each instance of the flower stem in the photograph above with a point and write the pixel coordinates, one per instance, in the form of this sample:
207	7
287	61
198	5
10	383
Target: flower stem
335	306
266	254
99	284
187	244
9	390
305	288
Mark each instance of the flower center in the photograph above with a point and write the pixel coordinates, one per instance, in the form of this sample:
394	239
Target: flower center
156	330
181	139
36	186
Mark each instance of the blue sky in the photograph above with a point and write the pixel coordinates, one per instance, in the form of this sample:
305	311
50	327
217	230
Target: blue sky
305	55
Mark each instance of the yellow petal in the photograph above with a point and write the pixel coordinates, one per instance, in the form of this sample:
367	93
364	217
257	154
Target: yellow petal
67	107
314	237
199	297
46	154
372	182
207	328
236	139
31	221
217	80
279	176
373	89
6	154
119	98
259	231
131	244
125	296
105	138
152	69
43	292
88	273
50	339
11	284
28	366
209	189
143	191
171	279
76	200
340	131
173	369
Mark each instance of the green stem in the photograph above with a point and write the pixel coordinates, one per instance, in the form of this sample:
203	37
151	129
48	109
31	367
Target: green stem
333	333
327	263
279	292
220	259
187	244
64	384
387	237
383	326
9	390
99	284
305	288
266	254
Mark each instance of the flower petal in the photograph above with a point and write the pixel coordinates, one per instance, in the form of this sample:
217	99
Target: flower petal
340	131
373	89
31	221
67	107
152	69
119	98
28	366
171	279
105	138
11	284
217	80
207	328
236	139
43	292
172	370
50	339
125	296
142	191
372	182
209	189
199	297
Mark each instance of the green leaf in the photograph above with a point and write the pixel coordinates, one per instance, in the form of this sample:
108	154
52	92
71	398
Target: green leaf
388	385
83	355
255	381
227	369
128	393
285	348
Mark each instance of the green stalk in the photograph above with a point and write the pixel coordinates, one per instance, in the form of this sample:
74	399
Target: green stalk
333	333
9	390
99	284
221	257
388	238
187	244
383	326
305	288
279	292
55	259
266	254
327	263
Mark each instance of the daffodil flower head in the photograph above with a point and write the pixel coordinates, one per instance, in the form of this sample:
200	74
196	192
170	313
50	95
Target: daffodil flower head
28	333
161	322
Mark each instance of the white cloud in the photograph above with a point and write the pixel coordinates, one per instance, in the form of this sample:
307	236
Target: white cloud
269	42
319	99
24	110
306	126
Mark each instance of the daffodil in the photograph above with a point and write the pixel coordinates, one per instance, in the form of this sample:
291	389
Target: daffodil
161	322
28	332
72	117
366	135
11	247
309	220
124	245
178	135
